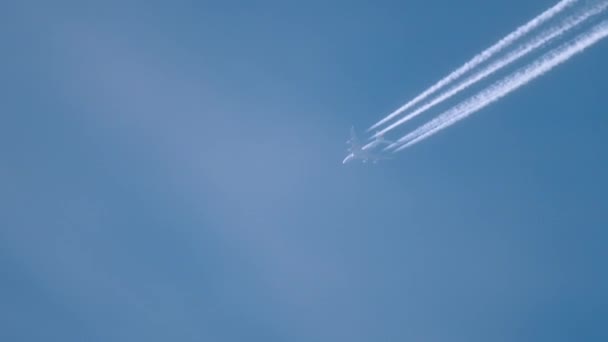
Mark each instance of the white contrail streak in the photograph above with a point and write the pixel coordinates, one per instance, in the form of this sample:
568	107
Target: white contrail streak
482	57
545	37
502	88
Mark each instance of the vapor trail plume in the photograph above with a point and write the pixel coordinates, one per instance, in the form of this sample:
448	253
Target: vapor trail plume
502	88
481	57
545	37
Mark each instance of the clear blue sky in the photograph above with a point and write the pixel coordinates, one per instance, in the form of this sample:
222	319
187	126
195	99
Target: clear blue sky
171	171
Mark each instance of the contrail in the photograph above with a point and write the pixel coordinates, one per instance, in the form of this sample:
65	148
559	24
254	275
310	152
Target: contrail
502	88
542	39
481	57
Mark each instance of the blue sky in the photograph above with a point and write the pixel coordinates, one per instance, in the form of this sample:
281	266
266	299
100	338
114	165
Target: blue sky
172	171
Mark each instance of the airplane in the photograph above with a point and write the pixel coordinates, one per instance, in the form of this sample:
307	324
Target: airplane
363	152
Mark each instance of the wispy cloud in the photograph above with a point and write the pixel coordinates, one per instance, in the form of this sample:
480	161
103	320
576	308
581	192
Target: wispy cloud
509	84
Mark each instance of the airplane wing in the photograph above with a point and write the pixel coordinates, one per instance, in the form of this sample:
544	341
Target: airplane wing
365	156
376	157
